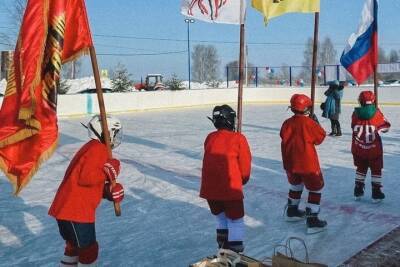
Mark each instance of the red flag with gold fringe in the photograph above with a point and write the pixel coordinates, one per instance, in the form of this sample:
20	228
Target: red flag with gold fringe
52	32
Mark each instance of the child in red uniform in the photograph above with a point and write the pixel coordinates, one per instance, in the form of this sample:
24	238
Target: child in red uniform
226	168
300	134
367	122
84	185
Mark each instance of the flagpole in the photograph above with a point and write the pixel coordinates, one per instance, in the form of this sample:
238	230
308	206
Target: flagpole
241	72
376	53
314	60
376	85
99	91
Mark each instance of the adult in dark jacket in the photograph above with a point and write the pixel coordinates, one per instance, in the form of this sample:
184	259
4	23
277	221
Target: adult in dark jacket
332	106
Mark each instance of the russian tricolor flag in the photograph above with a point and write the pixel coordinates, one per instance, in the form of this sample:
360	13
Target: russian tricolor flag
361	53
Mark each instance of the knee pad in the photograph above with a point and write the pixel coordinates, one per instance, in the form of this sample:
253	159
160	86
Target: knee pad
236	230
222	222
88	255
70	249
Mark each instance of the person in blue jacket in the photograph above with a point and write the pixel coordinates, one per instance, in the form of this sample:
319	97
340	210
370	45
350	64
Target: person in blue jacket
331	108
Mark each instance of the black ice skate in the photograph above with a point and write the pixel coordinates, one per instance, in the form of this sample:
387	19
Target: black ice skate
293	213
314	224
358	190
377	194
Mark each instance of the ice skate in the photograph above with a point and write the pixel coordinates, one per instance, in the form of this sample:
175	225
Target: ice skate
293	213
314	224
377	194
358	191
227	257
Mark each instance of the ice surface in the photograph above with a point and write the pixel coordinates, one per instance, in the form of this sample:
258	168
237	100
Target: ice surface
165	223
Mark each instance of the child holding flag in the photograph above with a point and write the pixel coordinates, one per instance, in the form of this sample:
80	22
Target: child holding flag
86	181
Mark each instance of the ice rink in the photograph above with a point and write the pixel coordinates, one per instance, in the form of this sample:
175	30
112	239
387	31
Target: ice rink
165	223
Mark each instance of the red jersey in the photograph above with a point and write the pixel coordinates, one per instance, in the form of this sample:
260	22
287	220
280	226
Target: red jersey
366	142
82	188
226	165
299	136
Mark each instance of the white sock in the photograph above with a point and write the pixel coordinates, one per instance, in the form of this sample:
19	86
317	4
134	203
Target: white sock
222	221
236	229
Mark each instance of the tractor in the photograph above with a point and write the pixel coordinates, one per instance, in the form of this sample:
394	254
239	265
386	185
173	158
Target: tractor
152	82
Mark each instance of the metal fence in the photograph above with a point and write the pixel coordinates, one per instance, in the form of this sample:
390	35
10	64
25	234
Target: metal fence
301	75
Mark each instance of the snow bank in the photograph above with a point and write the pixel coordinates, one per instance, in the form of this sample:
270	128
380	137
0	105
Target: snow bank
78	85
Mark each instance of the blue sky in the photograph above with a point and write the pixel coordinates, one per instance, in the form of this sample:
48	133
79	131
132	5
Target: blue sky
161	19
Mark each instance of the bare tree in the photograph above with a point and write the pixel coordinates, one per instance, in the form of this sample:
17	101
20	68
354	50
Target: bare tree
72	69
393	56
305	73
205	66
382	58
233	70
327	53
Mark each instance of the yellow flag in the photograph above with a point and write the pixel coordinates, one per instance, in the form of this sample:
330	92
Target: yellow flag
275	8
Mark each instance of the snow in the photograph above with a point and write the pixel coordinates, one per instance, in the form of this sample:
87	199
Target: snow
81	84
165	223
77	85
3	84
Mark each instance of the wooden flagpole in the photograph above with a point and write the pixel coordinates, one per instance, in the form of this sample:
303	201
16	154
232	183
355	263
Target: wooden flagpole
241	71
99	91
314	60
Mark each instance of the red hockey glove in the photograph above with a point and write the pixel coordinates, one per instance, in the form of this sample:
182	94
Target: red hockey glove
116	194
245	180
111	169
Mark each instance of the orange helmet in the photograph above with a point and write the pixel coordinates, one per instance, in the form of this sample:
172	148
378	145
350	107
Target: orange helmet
300	103
366	98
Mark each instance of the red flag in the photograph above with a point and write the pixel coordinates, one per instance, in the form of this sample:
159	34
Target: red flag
52	32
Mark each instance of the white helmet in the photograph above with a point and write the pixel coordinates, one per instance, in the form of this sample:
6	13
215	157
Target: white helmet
114	127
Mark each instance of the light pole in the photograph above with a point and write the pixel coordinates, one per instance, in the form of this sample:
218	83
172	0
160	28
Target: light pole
188	21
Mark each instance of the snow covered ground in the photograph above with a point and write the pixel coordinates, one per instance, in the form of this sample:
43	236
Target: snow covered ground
165	223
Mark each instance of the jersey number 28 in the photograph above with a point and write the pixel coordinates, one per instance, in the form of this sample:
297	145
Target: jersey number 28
365	133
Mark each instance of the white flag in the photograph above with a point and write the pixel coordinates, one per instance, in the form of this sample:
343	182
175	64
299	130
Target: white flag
219	11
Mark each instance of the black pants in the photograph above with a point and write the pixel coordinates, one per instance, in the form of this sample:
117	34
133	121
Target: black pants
80	234
335	125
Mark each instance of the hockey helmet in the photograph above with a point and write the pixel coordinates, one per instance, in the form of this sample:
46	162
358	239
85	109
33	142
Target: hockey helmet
114	127
300	103
223	117
366	98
